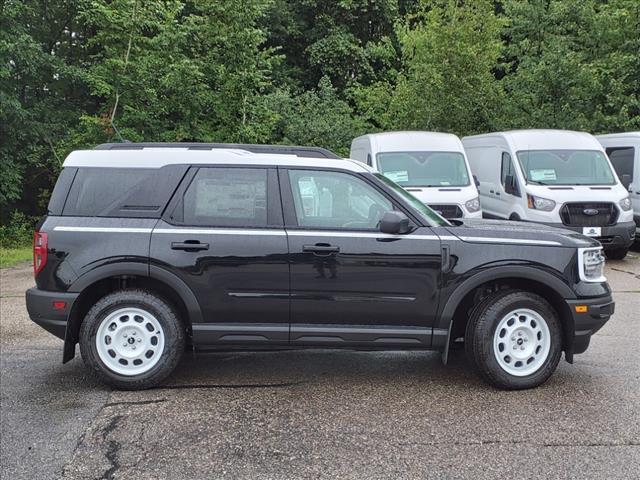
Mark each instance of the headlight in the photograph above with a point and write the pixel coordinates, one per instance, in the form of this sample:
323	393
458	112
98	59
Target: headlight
539	203
473	205
625	204
591	265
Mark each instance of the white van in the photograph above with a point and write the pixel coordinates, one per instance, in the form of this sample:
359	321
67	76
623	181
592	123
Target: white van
555	177
623	150
432	166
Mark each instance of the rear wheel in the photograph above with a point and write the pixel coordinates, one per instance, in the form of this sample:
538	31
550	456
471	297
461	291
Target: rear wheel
515	339
616	253
132	339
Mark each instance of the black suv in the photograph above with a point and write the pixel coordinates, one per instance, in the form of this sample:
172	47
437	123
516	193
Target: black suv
146	251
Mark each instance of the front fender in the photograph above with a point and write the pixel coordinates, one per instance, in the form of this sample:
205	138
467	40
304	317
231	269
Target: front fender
495	273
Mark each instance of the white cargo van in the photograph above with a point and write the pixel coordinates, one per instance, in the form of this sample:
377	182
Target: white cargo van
432	166
556	177
623	150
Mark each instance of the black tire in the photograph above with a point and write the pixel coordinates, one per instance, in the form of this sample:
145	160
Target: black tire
616	253
482	326
172	328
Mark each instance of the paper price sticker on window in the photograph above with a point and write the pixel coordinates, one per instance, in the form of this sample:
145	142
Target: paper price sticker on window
397	176
540	175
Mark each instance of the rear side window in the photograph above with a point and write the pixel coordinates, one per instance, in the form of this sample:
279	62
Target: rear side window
622	160
226	197
122	192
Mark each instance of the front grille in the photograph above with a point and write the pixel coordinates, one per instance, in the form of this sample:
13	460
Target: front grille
448	211
573	214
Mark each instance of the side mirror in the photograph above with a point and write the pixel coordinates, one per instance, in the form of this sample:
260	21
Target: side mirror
625	180
394	223
476	181
510	185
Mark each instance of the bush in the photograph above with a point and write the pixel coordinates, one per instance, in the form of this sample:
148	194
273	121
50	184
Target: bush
19	231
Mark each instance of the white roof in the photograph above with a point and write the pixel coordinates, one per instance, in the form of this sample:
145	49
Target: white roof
619	135
407	141
545	139
159	157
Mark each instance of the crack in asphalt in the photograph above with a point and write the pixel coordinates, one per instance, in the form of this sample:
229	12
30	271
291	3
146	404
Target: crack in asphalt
113	448
626	271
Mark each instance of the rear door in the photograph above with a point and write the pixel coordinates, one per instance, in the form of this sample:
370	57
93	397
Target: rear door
350	283
223	235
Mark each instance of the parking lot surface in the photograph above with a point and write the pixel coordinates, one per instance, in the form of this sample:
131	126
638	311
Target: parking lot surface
320	414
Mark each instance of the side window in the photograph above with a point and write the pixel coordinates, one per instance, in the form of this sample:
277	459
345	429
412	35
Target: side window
336	200
226	197
622	160
506	168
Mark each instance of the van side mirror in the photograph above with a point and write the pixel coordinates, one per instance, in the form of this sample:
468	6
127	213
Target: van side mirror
476	181
625	179
394	223
510	185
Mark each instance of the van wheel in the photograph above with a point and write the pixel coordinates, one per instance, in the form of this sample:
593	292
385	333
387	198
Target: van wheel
515	339
616	253
132	339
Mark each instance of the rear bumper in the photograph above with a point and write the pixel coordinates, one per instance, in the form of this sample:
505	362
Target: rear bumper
599	310
620	235
46	309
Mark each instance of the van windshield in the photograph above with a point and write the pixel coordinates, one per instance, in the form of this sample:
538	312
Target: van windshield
424	169
566	167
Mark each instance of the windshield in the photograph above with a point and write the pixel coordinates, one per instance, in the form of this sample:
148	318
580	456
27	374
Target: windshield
424	169
566	167
430	216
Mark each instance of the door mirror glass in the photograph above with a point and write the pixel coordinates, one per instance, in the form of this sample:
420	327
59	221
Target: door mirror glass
394	222
625	179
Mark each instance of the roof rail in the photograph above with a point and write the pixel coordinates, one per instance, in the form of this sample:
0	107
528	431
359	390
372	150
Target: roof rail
309	152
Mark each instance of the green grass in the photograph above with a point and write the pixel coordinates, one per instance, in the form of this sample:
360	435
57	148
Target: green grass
13	256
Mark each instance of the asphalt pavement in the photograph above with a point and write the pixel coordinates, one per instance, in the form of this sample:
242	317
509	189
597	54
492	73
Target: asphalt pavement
320	414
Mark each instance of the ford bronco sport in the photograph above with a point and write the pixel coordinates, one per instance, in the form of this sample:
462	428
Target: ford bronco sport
146	251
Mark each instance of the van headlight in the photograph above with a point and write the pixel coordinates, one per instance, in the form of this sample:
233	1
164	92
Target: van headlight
473	205
625	204
591	265
539	203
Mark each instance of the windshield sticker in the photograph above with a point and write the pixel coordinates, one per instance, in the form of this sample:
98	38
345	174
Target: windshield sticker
397	176
445	183
542	174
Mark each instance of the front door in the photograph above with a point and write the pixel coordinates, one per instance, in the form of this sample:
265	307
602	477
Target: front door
350	283
223	235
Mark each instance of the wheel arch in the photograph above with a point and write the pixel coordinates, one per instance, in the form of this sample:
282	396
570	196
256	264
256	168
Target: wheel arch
455	313
101	281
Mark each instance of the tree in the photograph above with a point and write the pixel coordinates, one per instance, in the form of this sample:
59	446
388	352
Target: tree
573	64
450	49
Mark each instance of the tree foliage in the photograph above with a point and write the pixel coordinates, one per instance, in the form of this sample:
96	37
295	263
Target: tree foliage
77	73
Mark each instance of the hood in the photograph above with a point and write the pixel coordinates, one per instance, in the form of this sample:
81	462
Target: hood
444	195
524	233
562	194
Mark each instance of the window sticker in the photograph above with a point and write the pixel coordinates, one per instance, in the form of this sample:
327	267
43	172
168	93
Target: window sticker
398	176
542	174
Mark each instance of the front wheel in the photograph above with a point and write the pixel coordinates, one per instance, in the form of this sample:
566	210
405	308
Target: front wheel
616	253
132	339
515	339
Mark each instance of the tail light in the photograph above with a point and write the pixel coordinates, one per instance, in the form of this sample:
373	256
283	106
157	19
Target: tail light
39	252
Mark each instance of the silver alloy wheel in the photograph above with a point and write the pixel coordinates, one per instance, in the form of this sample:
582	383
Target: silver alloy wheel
130	341
521	342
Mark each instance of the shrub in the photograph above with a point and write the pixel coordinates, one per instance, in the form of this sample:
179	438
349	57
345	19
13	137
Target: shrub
18	232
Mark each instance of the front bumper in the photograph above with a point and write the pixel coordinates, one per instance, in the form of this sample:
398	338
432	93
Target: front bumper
620	235
50	310
598	311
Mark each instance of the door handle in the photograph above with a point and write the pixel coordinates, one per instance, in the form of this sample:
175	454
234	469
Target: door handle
321	249
189	246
